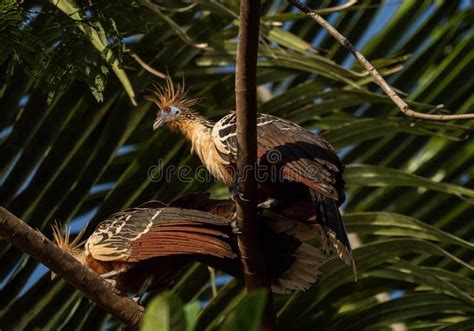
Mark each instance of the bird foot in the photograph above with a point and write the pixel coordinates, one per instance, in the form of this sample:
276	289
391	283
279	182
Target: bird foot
113	286
236	191
112	282
110	274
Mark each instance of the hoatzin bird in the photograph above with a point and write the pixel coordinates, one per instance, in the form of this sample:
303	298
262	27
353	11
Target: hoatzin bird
141	249
308	186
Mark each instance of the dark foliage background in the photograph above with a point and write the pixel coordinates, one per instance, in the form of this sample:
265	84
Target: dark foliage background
74	149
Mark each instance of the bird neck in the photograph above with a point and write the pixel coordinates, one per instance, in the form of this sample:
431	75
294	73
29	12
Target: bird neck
195	128
198	131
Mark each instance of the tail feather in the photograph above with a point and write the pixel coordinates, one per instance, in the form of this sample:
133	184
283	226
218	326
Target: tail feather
292	264
303	271
333	230
298	230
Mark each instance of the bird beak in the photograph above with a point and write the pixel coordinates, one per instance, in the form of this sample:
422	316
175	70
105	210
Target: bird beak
53	276
158	123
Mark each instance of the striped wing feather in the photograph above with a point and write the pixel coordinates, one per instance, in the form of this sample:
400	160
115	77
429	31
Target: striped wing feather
180	240
143	233
303	156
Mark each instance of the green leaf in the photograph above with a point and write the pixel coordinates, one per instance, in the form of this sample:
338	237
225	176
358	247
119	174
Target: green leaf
73	160
98	39
356	131
335	275
191	312
164	313
367	175
403	309
228	297
247	315
396	225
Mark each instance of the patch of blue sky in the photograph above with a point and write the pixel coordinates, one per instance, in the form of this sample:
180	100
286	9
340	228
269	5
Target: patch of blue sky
6	132
28	180
463	179
427	13
10	274
101	187
124	149
282	87
87	13
75	225
323	33
343	207
39	272
223	279
342	153
396	294
377	24
9	169
412	59
203	303
32	14
288	24
466	4
274	8
78	223
24	100
361	109
229	69
132	39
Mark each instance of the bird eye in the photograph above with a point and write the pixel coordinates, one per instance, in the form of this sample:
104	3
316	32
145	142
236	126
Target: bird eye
167	109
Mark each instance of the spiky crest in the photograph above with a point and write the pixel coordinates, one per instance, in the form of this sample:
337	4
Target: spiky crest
62	240
171	95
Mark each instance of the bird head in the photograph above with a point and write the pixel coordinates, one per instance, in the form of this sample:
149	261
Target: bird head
62	239
172	103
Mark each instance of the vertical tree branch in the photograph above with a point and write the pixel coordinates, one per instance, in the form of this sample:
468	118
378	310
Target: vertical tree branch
254	269
33	243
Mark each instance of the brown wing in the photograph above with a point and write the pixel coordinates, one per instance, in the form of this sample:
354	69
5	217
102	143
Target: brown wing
144	233
303	156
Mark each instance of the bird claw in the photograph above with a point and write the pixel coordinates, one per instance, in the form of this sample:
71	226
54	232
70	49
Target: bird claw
237	194
112	282
113	286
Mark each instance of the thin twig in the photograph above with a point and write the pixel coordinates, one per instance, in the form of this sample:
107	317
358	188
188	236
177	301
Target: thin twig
148	67
35	244
342	7
251	252
180	32
212	276
402	105
178	10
